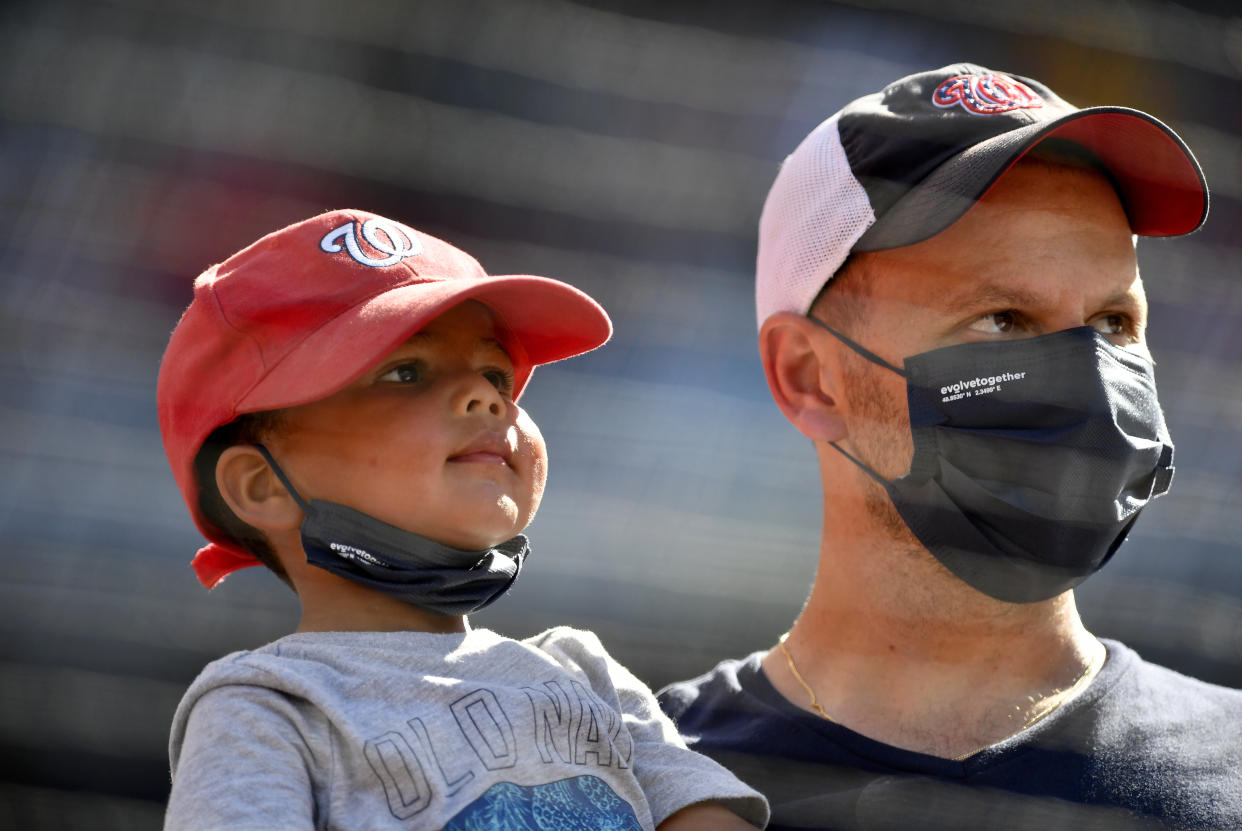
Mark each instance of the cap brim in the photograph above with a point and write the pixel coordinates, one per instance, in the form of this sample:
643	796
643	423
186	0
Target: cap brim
543	320
1157	178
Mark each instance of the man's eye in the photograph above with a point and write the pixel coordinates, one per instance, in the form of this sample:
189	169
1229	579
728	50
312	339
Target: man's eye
501	379
1111	324
403	374
995	323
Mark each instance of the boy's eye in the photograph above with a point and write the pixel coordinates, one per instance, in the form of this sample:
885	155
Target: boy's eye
501	379
403	374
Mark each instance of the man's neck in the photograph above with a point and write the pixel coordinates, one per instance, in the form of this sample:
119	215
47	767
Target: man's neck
896	648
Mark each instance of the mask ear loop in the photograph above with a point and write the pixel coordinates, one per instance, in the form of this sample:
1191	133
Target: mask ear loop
884	483
861	350
284	480
875	359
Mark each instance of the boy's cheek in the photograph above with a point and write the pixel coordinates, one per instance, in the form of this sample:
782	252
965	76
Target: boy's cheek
533	457
529	439
540	480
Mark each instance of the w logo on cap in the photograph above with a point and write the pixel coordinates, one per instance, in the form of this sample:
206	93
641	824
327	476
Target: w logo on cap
384	237
986	94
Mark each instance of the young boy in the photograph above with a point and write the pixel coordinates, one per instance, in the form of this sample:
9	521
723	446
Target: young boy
337	403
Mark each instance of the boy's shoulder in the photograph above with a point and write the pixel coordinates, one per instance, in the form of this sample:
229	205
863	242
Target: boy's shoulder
281	663
580	653
323	669
568	641
337	716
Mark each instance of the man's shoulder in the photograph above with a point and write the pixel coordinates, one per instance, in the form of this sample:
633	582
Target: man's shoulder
1144	740
1162	701
728	686
1151	679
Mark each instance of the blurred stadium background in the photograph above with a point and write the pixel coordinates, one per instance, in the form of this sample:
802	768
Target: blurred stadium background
624	147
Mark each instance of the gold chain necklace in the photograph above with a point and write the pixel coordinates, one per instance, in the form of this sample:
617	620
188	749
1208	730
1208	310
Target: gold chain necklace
1056	699
815	705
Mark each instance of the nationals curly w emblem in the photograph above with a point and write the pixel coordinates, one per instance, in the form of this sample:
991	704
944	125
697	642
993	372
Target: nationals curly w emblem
986	94
394	242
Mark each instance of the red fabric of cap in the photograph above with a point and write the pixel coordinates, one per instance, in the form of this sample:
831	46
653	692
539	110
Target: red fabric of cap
304	311
1159	183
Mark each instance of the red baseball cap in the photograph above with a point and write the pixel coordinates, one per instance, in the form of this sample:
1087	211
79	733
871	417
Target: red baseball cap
304	311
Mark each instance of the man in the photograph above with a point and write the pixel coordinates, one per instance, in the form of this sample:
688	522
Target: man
950	309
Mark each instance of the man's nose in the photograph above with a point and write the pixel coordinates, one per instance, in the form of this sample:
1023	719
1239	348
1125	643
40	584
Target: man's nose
1059	322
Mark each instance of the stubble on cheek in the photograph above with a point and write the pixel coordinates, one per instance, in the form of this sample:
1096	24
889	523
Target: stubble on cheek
880	436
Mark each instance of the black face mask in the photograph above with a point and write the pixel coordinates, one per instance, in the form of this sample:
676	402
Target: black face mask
406	566
1032	458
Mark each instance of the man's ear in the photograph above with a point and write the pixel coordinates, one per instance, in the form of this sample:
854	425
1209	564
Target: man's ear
803	375
253	492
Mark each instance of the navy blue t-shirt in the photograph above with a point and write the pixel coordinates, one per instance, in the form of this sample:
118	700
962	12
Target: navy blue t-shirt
1142	747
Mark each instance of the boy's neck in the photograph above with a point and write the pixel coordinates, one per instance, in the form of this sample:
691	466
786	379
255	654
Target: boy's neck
333	604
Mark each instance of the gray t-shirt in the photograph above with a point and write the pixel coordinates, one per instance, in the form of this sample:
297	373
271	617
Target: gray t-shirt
373	730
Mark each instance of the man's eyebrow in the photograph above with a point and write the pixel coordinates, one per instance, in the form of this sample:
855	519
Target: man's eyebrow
991	294
1125	300
997	295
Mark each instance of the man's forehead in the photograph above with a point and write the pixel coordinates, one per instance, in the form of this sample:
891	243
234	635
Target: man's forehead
1038	184
1037	217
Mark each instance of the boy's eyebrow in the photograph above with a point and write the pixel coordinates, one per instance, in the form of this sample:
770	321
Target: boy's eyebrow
431	337
496	344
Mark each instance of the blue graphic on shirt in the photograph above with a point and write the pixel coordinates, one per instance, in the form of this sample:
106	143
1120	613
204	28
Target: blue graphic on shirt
583	803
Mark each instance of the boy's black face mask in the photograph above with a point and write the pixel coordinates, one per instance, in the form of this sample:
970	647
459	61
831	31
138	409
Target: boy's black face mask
406	566
1032	458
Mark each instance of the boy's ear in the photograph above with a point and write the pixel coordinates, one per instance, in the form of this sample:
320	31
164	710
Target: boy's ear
253	492
803	375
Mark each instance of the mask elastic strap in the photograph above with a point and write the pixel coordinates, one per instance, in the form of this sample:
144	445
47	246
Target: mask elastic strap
884	483
284	480
861	350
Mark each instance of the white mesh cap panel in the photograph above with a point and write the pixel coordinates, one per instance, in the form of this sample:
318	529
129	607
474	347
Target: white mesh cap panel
813	215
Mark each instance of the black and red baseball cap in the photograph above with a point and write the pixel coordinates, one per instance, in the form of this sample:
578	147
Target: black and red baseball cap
898	166
306	310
